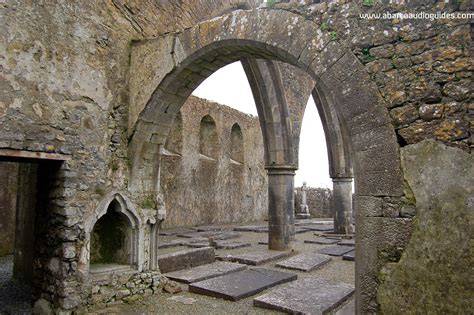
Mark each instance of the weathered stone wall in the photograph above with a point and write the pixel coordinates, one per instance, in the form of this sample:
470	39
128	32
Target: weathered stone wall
319	201
65	88
8	188
202	189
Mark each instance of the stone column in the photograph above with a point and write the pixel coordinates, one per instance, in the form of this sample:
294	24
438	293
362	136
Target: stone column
342	201
281	230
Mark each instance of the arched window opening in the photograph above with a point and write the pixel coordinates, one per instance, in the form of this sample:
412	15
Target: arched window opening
111	238
236	144
208	140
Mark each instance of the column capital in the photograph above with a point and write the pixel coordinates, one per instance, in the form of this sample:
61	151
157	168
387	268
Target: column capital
281	169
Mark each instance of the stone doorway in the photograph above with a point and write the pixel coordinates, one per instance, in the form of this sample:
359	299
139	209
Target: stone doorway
26	183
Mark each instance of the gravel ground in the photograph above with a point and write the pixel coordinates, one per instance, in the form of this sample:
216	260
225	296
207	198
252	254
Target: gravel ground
337	270
14	298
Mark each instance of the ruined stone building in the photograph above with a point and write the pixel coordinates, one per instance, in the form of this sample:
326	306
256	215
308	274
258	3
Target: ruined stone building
90	101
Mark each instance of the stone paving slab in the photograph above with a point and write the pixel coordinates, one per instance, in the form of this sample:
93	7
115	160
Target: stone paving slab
175	231
322	241
242	284
311	295
336	250
231	244
173	243
204	272
186	259
255	258
349	256
350	242
304	262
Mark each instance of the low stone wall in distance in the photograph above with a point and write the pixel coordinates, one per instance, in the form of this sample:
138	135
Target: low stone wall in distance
319	201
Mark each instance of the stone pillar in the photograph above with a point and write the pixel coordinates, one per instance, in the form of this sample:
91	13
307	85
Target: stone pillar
281	230
342	201
25	223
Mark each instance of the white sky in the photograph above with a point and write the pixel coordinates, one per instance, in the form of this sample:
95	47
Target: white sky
229	86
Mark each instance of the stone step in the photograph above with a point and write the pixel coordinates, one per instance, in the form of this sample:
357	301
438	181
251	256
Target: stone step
311	295
186	259
255	258
204	272
242	284
304	262
336	250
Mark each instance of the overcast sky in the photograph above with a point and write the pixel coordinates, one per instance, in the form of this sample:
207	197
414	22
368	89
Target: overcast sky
229	86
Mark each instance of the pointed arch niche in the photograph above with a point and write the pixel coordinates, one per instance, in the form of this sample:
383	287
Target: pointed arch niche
208	139
236	144
114	237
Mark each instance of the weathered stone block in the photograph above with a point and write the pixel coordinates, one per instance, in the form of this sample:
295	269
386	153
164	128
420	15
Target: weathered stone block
186	259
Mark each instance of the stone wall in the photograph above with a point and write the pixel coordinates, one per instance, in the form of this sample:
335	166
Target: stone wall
213	178
319	201
8	187
66	88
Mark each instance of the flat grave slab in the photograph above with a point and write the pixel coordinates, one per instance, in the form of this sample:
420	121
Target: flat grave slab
247	228
204	272
207	228
348	309
174	231
300	229
231	244
199	234
304	262
304	222
173	243
252	228
349	256
186	259
226	236
310	295
197	244
255	258
323	228
322	241
336	250
346	242
242	284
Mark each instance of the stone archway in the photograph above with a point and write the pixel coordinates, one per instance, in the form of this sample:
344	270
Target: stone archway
342	82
